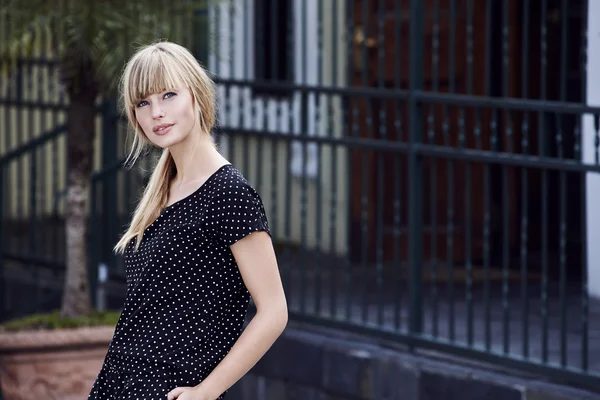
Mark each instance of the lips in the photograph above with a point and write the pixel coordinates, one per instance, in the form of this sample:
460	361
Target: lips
162	129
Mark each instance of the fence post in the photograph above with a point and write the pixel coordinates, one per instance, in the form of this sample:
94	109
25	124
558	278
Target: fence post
109	183
415	170
94	239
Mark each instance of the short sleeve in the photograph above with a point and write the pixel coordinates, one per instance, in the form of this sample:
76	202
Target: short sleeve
238	211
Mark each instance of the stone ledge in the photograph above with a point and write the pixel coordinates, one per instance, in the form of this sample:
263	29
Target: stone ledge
316	366
52	339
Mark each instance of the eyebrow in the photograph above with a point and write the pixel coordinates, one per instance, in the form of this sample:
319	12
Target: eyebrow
140	98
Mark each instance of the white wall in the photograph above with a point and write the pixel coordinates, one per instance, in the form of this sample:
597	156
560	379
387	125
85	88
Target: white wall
239	65
231	57
593	179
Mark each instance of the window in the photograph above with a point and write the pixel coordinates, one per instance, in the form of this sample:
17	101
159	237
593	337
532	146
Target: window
273	47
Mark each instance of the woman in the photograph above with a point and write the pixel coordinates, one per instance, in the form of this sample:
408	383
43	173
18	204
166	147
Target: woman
197	247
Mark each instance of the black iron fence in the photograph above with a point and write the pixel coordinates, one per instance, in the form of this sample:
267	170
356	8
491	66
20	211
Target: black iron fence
422	168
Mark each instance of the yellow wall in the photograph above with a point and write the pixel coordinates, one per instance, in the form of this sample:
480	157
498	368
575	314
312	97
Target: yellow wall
40	85
41	109
254	156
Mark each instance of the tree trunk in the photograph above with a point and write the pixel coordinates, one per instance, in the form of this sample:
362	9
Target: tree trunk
81	114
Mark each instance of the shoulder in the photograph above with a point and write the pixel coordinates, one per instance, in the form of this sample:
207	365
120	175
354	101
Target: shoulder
230	191
236	207
230	184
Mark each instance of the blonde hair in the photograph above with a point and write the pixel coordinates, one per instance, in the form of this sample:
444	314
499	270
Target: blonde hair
153	69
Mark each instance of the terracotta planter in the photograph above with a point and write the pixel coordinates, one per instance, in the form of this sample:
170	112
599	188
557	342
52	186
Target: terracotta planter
52	364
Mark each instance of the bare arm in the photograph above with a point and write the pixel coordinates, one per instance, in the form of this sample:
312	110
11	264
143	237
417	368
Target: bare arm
256	260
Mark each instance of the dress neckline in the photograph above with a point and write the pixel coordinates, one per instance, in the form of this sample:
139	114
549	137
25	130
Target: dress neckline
199	189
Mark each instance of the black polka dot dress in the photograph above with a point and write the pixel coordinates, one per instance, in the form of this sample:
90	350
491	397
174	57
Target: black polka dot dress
186	302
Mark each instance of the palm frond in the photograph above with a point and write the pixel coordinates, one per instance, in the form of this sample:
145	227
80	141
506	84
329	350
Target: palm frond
94	37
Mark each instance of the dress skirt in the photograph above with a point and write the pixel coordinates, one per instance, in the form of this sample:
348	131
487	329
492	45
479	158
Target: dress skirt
127	380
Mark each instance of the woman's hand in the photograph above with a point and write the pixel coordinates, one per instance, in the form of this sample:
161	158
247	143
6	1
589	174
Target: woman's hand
188	393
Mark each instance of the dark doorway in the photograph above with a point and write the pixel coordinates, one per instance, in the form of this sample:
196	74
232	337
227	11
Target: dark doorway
378	185
555	199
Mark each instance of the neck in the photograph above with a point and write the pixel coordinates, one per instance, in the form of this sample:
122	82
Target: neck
196	158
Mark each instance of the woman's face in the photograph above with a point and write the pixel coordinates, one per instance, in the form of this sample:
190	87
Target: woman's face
167	118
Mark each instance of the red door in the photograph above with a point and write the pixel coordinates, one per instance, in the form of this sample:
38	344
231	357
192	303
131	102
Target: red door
454	193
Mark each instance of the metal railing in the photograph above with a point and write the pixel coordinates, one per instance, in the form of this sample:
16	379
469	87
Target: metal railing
424	173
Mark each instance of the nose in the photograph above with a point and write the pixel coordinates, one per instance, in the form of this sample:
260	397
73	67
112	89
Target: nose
156	110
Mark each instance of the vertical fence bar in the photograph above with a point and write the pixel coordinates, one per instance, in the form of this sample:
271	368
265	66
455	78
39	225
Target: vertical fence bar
582	206
260	141
487	188
367	115
562	247
241	89
287	252
382	122
33	245
542	153
433	182
20	139
274	141
264	126
505	186
563	187
468	181
415	169
46	157
397	173
505	261
303	132
254	29
450	177
93	240
230	90
260	73
109	190
584	263
524	184
55	146
351	116
333	160
130	184
317	96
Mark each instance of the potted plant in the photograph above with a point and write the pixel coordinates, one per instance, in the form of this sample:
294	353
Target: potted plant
58	355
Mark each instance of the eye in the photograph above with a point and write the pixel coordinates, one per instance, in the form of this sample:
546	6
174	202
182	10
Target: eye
142	103
168	95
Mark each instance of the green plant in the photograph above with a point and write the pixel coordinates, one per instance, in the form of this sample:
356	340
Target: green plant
90	41
55	320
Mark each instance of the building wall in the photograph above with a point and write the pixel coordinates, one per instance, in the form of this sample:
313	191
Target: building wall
231	55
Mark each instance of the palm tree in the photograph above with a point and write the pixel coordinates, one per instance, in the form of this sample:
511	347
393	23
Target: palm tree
90	40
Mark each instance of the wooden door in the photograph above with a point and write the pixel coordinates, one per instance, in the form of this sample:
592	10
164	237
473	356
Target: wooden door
454	193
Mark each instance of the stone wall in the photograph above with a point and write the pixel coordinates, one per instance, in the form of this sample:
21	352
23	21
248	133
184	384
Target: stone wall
308	365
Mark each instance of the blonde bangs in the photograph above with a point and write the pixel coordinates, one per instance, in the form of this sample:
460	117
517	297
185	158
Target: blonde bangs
153	72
